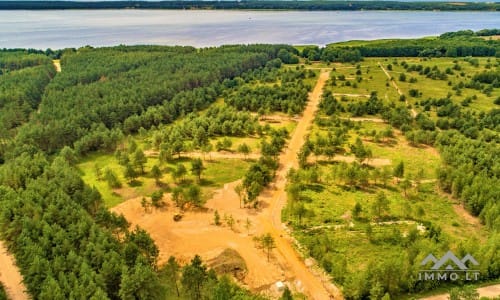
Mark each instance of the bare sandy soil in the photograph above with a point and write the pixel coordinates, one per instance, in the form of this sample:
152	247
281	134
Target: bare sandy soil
57	65
351	95
374	162
10	276
491	291
196	233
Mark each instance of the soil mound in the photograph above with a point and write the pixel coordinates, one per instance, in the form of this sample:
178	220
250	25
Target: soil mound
229	262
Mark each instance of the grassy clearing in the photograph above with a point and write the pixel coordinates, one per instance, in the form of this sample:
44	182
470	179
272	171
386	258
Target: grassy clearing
435	88
367	76
216	174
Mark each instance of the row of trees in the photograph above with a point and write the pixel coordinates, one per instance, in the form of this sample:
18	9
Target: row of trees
261	173
268	5
458	46
288	97
195	131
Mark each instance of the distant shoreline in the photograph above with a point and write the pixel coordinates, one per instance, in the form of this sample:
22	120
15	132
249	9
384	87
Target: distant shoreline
313	5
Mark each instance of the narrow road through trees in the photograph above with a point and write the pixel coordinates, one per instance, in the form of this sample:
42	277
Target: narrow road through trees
317	285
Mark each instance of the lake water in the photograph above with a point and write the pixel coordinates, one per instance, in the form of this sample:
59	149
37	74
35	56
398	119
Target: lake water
75	28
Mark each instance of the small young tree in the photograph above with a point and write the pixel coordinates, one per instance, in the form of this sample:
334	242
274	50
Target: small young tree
197	168
145	204
179	172
193	195
156	173
139	160
244	149
268	243
227	143
130	174
248	225
206	149
156	198
381	205
356	211
287	294
216	218
194	276
405	185
399	170
240	191
230	222
172	272
178	197
112	179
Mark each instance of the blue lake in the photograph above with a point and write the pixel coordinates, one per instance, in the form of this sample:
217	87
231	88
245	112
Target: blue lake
75	28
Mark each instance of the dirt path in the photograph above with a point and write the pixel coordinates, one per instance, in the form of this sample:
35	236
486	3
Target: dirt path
491	291
10	276
361	119
57	65
413	112
351	95
374	162
211	155
316	286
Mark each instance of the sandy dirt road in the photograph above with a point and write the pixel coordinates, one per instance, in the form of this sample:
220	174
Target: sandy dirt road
316	286
57	65
10	276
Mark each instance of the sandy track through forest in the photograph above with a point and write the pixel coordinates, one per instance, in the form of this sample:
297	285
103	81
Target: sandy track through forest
10	276
57	65
315	286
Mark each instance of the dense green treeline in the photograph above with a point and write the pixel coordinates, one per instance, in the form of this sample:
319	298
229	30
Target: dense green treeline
103	91
451	44
293	5
288	97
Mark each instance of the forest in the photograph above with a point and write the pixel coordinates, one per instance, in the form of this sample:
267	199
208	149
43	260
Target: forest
251	4
452	44
67	244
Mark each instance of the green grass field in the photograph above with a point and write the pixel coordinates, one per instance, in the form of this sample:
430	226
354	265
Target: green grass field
217	172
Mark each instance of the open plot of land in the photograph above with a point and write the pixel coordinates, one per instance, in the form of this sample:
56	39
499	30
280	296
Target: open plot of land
196	233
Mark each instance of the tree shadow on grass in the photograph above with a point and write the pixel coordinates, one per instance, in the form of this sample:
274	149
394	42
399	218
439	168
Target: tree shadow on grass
206	182
135	183
318	188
